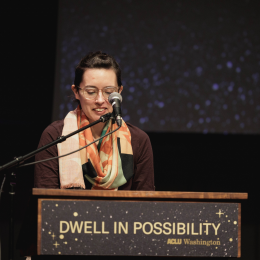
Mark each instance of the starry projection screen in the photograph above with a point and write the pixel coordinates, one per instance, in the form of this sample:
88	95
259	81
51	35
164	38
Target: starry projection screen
187	66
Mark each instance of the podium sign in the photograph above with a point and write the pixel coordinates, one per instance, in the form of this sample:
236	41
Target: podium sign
150	228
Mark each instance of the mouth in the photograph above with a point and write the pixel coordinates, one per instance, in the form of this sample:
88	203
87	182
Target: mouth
100	110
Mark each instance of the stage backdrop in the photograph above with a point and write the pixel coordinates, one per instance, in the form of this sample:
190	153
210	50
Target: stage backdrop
187	66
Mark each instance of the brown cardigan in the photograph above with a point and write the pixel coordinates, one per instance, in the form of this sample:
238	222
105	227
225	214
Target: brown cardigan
46	174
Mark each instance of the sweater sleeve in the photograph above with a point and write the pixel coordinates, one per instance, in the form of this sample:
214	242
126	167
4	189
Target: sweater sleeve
46	174
143	178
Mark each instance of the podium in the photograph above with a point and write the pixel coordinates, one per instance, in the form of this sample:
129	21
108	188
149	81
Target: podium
138	223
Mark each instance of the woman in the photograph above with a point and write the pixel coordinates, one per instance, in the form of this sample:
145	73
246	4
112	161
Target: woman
123	160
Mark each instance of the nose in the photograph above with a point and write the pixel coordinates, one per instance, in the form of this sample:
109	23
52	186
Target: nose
100	98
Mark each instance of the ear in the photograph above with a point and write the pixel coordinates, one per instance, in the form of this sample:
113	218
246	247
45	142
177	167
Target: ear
121	89
75	91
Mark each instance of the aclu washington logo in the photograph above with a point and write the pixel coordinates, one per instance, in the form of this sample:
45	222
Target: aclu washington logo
200	242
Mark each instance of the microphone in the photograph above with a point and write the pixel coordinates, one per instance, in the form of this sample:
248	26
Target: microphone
115	100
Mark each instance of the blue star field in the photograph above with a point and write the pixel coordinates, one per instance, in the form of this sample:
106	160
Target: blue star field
187	66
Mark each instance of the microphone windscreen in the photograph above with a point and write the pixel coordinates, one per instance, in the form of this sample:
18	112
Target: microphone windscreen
114	95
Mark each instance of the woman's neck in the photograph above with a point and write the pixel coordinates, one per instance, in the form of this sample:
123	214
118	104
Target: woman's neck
97	130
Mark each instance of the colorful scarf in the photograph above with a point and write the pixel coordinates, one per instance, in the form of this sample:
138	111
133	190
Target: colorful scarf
108	168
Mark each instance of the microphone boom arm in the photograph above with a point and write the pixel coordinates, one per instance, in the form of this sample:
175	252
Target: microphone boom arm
19	160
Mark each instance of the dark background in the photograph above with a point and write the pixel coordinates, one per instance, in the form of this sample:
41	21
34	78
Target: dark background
183	161
187	66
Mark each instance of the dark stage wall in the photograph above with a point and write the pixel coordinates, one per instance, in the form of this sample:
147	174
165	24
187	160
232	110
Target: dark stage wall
183	161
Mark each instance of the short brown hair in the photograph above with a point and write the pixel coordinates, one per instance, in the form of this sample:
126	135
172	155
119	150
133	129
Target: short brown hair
96	60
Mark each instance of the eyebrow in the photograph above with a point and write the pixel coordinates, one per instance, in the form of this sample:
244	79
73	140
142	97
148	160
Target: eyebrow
89	86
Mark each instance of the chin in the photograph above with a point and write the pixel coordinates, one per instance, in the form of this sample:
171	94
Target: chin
94	117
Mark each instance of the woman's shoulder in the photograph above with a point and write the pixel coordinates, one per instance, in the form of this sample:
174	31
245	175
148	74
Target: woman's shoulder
54	130
137	133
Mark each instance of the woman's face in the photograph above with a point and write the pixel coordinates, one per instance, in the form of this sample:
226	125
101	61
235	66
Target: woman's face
99	79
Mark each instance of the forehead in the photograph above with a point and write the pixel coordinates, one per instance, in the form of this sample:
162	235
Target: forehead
99	77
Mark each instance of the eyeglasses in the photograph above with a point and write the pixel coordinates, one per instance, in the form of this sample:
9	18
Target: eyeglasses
92	92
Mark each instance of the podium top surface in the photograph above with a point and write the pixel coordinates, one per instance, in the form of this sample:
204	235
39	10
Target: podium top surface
139	194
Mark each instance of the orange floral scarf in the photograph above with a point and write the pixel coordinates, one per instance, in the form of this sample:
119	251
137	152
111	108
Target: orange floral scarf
108	168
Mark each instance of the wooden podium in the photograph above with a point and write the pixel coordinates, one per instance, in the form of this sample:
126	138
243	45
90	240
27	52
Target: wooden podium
150	223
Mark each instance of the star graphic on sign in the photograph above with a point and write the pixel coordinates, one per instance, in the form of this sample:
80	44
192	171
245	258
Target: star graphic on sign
53	235
56	244
219	213
75	214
